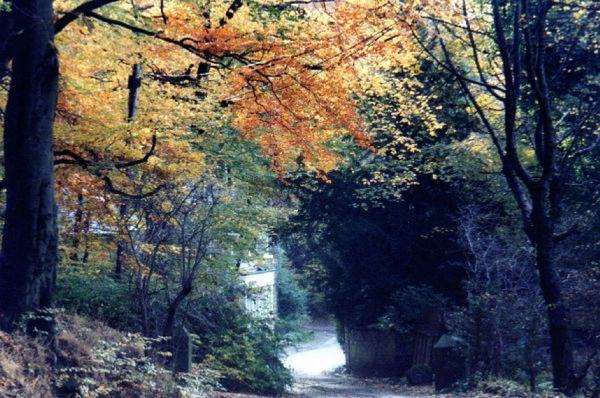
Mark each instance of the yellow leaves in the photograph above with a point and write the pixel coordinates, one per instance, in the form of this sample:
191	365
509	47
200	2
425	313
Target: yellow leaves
166	206
291	84
476	156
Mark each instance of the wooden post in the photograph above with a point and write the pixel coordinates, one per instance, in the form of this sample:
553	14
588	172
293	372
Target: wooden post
183	352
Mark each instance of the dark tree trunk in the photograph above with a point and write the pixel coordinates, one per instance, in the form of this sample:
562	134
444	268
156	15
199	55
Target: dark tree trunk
561	346
172	311
541	211
134	84
5	42
541	232
119	261
29	243
522	43
121	245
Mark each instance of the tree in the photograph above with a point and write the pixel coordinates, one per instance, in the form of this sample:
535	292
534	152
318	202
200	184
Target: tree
514	62
29	242
369	253
270	87
498	285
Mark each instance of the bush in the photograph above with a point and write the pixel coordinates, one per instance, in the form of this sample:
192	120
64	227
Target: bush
95	296
248	358
419	375
292	307
503	388
292	300
410	307
245	351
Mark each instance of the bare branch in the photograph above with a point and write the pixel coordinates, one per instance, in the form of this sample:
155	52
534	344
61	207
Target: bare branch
447	67
141	160
567	234
454	25
475	51
158	35
70	157
287	4
480	112
73	158
588	149
162	12
111	188
230	13
82	9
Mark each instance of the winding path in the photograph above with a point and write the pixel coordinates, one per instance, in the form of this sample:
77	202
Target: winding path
314	364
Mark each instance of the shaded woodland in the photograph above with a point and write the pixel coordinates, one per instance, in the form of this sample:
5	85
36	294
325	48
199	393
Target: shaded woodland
420	169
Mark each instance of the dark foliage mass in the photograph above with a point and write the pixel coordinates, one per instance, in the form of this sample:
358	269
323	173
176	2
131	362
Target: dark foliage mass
369	254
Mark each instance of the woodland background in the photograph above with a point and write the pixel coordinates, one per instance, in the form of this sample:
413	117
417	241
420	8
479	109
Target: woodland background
400	157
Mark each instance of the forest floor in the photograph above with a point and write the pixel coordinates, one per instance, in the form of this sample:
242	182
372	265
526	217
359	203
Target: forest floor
316	366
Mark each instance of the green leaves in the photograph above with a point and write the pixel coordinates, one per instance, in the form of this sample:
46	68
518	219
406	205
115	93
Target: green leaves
5	6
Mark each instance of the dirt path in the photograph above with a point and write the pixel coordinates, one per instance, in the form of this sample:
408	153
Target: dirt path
314	367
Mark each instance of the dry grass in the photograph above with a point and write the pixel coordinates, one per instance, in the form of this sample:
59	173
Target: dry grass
94	361
25	368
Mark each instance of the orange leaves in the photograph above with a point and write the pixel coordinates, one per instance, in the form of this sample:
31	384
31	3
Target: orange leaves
295	114
292	77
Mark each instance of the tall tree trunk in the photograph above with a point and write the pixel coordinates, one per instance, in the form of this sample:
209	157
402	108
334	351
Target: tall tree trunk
522	44
134	84
561	346
541	232
29	243
5	42
121	244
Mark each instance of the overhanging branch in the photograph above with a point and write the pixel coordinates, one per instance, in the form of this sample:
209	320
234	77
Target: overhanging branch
71	158
139	161
111	188
142	31
67	156
82	9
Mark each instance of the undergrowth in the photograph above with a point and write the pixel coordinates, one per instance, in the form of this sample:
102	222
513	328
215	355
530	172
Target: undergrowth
92	360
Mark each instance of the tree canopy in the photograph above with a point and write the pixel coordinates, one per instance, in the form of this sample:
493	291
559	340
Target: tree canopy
391	147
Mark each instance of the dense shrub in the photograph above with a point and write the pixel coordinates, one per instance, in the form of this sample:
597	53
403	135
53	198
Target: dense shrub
247	357
292	299
410	307
292	307
244	350
501	282
503	388
95	295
